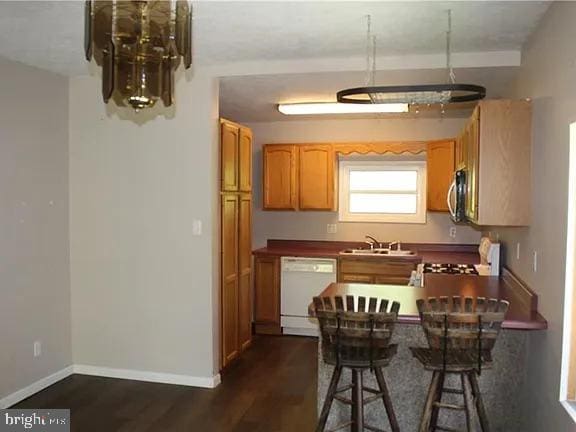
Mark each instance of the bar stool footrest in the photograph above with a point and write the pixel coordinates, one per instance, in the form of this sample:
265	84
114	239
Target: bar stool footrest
341	426
449	406
374	398
446	429
453	391
343	399
371	390
373	429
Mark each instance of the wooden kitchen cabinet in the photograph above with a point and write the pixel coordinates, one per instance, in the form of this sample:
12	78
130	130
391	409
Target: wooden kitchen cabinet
245	160
393	271
280	177
497	142
267	295
230	278
235	157
316	179
229	135
244	271
440	172
235	240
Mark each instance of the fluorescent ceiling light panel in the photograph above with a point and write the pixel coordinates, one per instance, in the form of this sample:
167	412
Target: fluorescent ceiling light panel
340	108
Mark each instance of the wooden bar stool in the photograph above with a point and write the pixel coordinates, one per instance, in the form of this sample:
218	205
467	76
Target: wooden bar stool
357	338
461	333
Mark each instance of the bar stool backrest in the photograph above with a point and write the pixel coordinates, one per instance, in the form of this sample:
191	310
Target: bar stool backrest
355	333
462	323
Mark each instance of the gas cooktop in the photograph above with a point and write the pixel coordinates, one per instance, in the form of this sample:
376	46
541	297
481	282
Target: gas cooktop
469	269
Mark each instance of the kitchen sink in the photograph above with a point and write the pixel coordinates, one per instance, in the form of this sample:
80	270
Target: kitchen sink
377	252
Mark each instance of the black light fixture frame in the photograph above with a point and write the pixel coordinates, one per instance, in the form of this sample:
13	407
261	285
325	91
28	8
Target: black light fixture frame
475	92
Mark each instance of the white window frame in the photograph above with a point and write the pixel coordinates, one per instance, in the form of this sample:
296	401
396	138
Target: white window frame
345	167
567	372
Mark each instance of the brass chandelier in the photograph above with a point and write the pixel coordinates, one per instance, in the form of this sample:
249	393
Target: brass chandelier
138	44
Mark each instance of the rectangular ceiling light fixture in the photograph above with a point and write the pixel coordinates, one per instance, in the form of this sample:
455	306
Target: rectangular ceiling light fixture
340	108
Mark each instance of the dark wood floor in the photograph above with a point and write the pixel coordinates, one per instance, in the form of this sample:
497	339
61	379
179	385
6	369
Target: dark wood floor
271	389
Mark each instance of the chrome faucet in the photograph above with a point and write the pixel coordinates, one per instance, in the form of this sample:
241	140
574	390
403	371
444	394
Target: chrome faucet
395	243
371	241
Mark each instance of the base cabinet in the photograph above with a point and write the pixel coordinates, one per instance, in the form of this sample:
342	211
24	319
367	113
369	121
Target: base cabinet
376	271
267	295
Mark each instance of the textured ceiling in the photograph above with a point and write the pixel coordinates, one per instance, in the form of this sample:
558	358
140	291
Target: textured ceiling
254	98
49	34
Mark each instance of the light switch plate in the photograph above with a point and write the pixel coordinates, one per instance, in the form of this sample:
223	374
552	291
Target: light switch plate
37	349
331	228
196	227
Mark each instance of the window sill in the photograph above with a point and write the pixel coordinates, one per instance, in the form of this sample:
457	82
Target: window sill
404	219
570	406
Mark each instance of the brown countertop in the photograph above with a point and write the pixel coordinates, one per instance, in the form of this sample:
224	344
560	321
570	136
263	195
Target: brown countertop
520	316
428	252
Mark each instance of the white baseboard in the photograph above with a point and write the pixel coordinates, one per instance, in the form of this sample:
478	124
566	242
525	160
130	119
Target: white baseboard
157	377
34	388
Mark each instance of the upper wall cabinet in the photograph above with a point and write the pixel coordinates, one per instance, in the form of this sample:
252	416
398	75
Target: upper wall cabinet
299	177
440	170
495	152
279	177
245	159
317	166
236	157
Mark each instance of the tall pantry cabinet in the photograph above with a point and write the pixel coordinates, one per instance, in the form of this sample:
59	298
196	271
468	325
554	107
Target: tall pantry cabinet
236	239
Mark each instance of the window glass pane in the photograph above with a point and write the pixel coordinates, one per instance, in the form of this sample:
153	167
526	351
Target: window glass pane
405	181
383	203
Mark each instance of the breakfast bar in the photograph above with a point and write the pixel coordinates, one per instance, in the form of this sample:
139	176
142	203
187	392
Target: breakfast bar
502	386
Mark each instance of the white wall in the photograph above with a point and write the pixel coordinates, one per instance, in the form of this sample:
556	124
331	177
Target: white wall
34	251
547	76
144	290
312	225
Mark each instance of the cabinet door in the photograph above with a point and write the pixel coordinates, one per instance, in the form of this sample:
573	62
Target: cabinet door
267	293
245	159
229	136
391	280
316	177
229	283
355	278
279	177
245	272
440	171
473	141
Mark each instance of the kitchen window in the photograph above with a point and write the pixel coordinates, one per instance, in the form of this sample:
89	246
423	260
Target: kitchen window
382	191
568	369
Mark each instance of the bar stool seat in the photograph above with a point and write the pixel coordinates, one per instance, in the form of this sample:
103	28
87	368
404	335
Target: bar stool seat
356	337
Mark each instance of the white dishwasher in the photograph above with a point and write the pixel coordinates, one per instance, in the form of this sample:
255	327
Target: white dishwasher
302	279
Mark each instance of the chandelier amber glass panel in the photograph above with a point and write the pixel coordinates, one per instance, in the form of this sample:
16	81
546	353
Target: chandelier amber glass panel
139	44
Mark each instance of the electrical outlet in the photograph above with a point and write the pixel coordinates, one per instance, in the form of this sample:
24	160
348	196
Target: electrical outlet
535	262
196	227
453	232
37	349
518	251
331	228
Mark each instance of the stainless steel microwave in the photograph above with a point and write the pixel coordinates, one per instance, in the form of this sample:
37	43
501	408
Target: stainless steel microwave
457	197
